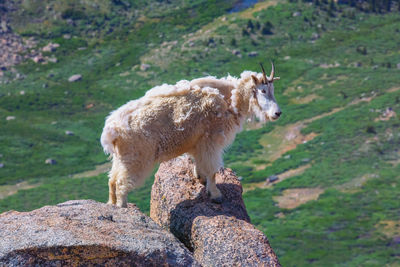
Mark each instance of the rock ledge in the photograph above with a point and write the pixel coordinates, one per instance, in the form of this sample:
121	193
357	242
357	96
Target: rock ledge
218	234
86	232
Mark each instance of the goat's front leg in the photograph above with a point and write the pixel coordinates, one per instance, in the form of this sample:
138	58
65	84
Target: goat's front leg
208	162
212	190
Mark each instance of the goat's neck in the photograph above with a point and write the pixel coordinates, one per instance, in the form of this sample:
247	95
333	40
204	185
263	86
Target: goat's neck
244	94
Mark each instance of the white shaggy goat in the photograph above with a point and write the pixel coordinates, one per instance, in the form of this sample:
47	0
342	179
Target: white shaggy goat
199	117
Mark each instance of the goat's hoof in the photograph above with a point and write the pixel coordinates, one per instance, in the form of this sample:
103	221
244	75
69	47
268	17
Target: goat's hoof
121	205
217	200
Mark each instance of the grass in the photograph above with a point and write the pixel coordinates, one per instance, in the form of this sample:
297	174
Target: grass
63	189
352	58
51	105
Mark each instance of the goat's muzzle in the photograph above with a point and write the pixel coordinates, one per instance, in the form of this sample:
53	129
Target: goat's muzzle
276	116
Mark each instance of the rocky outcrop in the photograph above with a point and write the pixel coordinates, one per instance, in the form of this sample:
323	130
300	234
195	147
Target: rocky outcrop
14	49
88	233
11	45
218	234
85	232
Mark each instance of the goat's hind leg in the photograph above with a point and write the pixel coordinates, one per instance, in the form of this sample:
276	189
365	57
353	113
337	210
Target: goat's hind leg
118	183
122	189
199	175
113	175
133	174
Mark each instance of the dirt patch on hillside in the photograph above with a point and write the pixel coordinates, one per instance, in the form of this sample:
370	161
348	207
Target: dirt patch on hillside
386	115
362	99
389	228
396	160
277	146
99	170
293	172
333	111
292	198
281	177
298	88
356	184
304	100
8	190
393	89
283	139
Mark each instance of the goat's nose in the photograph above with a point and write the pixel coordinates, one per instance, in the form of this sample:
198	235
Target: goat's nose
278	113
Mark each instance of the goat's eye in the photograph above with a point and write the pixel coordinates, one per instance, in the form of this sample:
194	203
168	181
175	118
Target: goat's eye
263	91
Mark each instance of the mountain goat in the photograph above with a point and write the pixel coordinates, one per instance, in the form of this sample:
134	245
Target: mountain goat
199	117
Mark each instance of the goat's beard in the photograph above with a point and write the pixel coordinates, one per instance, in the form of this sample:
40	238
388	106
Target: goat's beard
255	109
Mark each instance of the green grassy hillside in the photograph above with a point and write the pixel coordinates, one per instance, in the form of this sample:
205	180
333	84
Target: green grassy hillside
335	150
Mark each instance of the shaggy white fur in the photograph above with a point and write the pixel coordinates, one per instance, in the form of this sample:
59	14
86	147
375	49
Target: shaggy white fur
200	117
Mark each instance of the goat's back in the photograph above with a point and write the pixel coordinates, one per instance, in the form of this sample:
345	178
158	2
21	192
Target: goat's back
169	125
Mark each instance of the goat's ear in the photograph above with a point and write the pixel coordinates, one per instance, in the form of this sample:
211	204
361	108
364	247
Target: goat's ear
254	93
255	80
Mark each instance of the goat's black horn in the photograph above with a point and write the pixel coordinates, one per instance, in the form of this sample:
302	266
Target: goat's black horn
264	75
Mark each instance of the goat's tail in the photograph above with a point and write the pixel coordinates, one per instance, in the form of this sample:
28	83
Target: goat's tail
108	138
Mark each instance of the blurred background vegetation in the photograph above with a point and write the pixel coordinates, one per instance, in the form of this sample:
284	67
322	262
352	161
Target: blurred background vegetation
322	182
